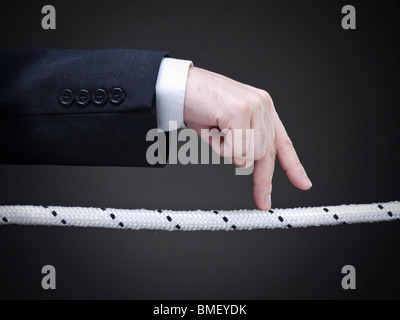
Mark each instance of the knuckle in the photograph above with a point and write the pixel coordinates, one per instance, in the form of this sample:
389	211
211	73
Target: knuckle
286	144
265	184
242	107
271	154
267	100
260	150
259	154
261	147
263	139
258	105
268	185
270	107
265	96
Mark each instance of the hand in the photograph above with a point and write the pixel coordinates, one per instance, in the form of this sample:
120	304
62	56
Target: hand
215	101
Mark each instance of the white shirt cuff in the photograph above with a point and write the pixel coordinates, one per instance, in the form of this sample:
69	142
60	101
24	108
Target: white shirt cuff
170	92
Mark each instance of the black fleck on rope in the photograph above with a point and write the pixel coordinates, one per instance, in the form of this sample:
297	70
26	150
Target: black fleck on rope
113	217
226	220
5	219
335	216
389	213
55	215
177	226
280	218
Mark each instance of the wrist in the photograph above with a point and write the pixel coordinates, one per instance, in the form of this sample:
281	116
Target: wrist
170	92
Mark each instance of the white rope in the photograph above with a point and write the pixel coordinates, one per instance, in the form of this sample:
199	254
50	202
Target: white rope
198	220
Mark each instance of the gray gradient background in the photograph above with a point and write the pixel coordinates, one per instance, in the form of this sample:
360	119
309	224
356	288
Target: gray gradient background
337	94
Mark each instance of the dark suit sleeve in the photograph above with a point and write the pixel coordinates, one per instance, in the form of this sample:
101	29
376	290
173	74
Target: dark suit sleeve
77	107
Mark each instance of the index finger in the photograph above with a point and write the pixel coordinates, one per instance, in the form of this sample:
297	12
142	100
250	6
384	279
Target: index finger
288	158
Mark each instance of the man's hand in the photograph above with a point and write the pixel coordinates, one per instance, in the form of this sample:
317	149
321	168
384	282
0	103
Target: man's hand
215	101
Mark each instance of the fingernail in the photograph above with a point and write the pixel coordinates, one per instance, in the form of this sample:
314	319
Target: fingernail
306	180
268	202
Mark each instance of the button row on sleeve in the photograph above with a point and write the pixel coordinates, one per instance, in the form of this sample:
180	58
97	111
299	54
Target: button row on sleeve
83	97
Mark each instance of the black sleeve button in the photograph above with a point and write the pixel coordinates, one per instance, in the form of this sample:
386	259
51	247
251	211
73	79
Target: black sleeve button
82	98
99	97
66	97
117	95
